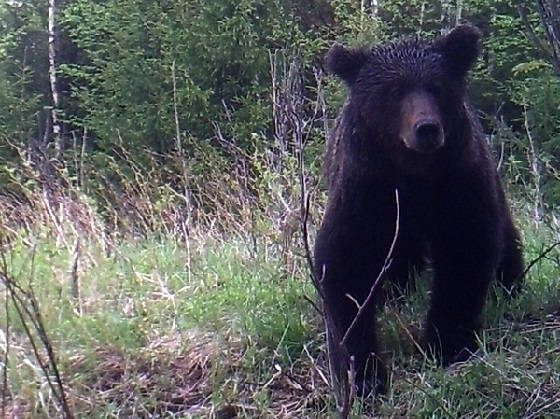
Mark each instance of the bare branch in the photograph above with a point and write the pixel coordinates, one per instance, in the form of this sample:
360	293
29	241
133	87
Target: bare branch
529	30
76	278
6	350
185	173
535	168
537	259
344	391
550	17
27	309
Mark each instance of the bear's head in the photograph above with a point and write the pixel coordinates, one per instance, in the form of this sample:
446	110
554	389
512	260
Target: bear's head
410	93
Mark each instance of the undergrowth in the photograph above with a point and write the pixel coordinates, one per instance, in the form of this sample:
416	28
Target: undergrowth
194	320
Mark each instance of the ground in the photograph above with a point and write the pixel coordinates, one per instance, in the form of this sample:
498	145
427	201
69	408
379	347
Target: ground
238	340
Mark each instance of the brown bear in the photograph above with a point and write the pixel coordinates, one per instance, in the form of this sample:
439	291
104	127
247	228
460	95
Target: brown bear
405	126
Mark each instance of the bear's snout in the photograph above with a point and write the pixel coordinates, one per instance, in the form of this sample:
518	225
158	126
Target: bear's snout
428	135
421	129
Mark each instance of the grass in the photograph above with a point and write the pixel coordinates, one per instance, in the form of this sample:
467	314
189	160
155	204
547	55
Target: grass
221	329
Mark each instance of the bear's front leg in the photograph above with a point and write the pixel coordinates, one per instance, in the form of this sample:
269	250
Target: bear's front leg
347	262
465	250
455	315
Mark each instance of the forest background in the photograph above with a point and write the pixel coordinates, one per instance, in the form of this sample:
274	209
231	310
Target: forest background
156	160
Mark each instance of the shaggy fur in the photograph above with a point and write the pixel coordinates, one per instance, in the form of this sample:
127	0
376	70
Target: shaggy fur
452	205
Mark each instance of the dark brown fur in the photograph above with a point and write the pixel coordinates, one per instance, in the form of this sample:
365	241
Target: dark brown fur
452	205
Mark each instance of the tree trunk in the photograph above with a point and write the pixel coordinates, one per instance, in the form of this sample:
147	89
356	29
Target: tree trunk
56	123
458	12
374	8
444	16
422	13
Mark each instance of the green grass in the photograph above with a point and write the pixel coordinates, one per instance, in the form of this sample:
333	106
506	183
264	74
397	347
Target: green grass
219	330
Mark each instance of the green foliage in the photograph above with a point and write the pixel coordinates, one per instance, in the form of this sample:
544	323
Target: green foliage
133	74
219	53
23	75
249	296
537	92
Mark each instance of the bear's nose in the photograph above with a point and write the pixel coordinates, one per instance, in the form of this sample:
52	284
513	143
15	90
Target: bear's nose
429	135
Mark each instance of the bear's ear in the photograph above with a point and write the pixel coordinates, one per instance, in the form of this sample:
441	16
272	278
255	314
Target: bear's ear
345	62
460	48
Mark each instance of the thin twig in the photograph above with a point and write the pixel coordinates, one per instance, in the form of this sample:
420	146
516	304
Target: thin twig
536	260
530	32
313	304
7	336
411	337
535	168
344	391
75	278
185	174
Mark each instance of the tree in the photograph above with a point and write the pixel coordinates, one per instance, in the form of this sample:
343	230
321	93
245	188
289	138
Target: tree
53	79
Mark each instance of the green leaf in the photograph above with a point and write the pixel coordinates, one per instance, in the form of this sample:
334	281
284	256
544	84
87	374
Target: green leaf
529	67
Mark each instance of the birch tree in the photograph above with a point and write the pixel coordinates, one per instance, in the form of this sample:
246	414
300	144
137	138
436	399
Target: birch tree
55	96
